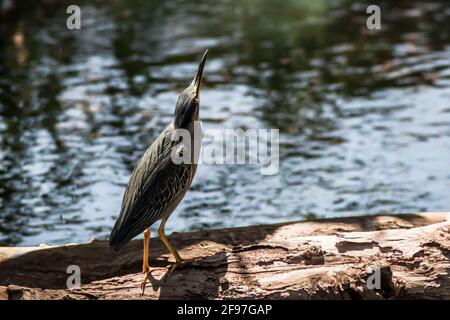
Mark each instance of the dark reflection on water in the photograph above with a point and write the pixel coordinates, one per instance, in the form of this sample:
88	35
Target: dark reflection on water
364	116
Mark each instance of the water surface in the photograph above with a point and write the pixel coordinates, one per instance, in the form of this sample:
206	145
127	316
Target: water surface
364	116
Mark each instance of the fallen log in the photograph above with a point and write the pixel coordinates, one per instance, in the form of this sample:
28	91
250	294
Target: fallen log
369	257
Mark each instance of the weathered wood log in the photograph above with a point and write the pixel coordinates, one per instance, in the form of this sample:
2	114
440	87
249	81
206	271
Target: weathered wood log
322	259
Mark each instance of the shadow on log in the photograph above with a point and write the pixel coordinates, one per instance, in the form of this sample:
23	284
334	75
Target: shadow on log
322	259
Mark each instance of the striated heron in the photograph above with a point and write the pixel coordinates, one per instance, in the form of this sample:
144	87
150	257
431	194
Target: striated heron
158	184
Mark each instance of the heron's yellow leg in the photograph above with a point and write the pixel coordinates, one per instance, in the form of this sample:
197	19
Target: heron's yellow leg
162	236
145	266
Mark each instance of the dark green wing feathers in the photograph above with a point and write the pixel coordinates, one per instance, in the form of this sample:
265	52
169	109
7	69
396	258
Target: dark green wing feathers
156	186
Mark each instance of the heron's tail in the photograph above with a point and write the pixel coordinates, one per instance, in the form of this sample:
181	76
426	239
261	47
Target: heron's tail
119	236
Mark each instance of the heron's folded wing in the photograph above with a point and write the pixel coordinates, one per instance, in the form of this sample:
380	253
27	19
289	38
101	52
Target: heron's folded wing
145	183
155	188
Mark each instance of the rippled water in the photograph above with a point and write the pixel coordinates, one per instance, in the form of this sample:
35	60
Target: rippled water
364	116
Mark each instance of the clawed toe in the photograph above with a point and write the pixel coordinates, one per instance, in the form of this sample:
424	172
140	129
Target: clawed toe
144	282
177	265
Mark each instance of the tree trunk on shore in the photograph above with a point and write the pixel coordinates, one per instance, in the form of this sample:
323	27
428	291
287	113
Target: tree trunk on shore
369	257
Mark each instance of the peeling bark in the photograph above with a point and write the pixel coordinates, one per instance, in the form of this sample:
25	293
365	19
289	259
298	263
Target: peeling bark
321	259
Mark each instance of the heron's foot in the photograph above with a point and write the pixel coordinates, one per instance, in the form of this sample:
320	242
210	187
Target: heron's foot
146	272
177	265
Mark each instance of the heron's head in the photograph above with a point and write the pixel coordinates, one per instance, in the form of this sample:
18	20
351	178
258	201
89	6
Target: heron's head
186	110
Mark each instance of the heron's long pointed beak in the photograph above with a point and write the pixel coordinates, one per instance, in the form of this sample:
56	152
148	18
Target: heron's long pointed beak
196	83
